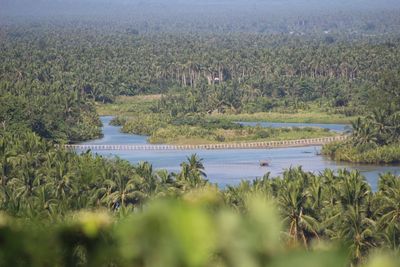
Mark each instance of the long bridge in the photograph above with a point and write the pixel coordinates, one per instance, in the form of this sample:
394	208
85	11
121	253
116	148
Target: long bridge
250	145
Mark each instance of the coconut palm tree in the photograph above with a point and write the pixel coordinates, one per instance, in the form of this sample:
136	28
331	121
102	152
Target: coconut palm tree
354	191
124	191
388	210
293	199
363	132
357	230
196	165
192	173
150	182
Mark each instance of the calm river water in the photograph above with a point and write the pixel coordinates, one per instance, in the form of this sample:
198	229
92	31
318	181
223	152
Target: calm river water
229	167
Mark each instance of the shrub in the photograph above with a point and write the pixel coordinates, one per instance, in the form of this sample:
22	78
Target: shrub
364	153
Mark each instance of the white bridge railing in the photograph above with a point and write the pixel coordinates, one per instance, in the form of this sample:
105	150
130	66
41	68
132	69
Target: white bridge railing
251	145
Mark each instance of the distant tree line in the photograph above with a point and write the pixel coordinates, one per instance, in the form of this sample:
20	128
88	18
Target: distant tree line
242	71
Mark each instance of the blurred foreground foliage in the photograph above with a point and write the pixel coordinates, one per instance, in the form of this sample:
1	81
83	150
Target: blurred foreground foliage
64	209
197	230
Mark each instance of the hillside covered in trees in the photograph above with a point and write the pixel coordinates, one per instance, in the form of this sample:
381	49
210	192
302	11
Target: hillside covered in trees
66	69
313	54
208	61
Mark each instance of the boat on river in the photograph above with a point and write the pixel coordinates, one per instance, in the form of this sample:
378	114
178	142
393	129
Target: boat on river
230	166
264	163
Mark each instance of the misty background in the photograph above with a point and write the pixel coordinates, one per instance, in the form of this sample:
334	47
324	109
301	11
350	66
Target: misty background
261	16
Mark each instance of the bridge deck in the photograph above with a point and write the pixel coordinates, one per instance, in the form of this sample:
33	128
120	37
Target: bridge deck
252	145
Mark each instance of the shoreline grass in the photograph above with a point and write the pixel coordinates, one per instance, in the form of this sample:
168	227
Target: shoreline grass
193	135
346	152
202	141
301	117
138	118
132	105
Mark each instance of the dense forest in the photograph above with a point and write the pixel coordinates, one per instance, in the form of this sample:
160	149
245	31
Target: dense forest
43	183
63	61
198	73
232	68
353	18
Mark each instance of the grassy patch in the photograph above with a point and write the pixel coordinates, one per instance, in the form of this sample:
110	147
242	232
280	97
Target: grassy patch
303	117
136	115
129	105
186	134
132	105
341	151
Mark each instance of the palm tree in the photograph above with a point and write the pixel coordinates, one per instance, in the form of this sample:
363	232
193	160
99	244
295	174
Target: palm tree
235	196
8	159
354	191
351	220
61	180
330	187
45	205
166	184
353	227
293	199
123	191
363	132
196	165
27	180
150	182
192	173
388	210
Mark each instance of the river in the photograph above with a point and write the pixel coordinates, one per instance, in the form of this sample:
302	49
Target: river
229	167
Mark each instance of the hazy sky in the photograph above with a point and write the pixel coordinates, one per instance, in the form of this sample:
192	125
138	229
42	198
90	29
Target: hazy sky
113	7
266	16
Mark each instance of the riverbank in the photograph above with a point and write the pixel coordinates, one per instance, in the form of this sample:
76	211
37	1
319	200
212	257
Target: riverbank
202	130
230	166
137	115
132	105
301	117
343	151
221	146
188	135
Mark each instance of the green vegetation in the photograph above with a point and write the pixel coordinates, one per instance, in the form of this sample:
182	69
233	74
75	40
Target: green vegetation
54	114
198	231
58	208
199	135
301	117
51	75
128	105
140	115
363	154
135	214
374	139
197	129
200	72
